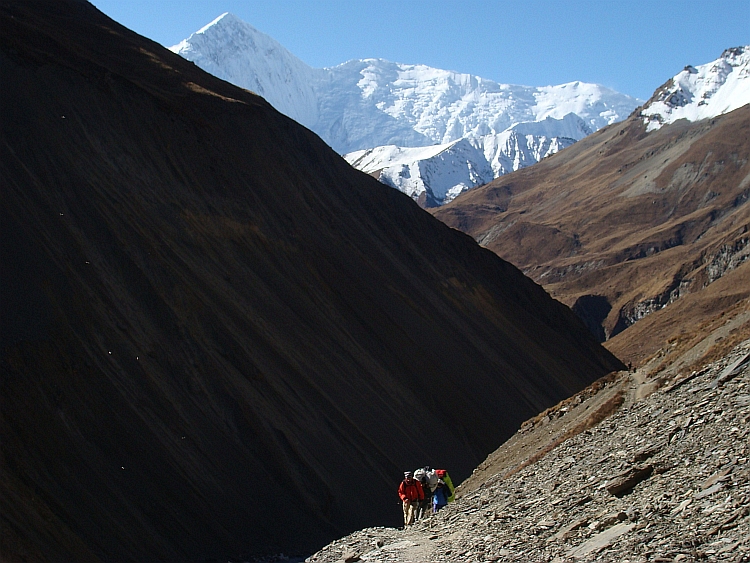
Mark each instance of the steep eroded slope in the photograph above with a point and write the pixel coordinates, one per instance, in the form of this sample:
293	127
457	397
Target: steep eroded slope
218	339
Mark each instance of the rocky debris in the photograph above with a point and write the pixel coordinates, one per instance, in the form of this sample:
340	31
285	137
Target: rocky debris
600	541
624	483
664	478
732	370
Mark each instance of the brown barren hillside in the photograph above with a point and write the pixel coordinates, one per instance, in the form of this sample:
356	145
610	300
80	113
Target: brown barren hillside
626	225
217	339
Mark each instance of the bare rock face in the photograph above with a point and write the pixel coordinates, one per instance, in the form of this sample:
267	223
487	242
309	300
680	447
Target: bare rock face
217	339
591	497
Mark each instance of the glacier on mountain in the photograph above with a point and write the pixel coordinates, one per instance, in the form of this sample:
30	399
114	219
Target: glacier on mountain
437	174
702	92
388	103
431	175
387	109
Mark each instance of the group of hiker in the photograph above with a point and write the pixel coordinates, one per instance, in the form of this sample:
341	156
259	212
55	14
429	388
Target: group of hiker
424	491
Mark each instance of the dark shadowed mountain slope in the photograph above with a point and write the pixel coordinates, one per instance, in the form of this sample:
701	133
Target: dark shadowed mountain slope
626	224
218	339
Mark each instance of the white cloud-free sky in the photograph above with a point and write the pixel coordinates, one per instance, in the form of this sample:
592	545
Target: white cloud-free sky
632	46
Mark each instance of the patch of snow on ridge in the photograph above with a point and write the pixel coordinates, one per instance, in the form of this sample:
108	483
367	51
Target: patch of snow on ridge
702	92
373	160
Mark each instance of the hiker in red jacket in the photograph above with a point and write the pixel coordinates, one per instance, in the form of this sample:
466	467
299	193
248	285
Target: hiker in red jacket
410	491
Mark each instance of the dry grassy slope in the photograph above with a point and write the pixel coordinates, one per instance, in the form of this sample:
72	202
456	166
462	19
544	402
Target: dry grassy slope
667	333
630	218
213	327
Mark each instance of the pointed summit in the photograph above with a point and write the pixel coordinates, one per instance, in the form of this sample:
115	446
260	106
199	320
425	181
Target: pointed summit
186	44
226	18
235	51
222	24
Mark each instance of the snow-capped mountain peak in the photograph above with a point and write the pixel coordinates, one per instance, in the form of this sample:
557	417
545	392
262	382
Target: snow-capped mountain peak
237	52
415	105
396	107
702	92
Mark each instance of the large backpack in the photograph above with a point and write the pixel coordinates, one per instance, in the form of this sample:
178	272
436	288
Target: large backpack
432	480
427	477
443	474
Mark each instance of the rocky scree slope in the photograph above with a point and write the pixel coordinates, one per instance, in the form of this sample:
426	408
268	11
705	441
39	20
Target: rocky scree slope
627	223
212	326
665	476
379	106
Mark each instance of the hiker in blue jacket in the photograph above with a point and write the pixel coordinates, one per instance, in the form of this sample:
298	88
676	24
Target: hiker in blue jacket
440	496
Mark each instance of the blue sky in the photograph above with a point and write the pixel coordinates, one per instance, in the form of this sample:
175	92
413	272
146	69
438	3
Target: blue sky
632	46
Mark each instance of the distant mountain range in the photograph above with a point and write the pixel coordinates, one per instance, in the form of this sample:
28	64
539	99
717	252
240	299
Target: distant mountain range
386	109
437	174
